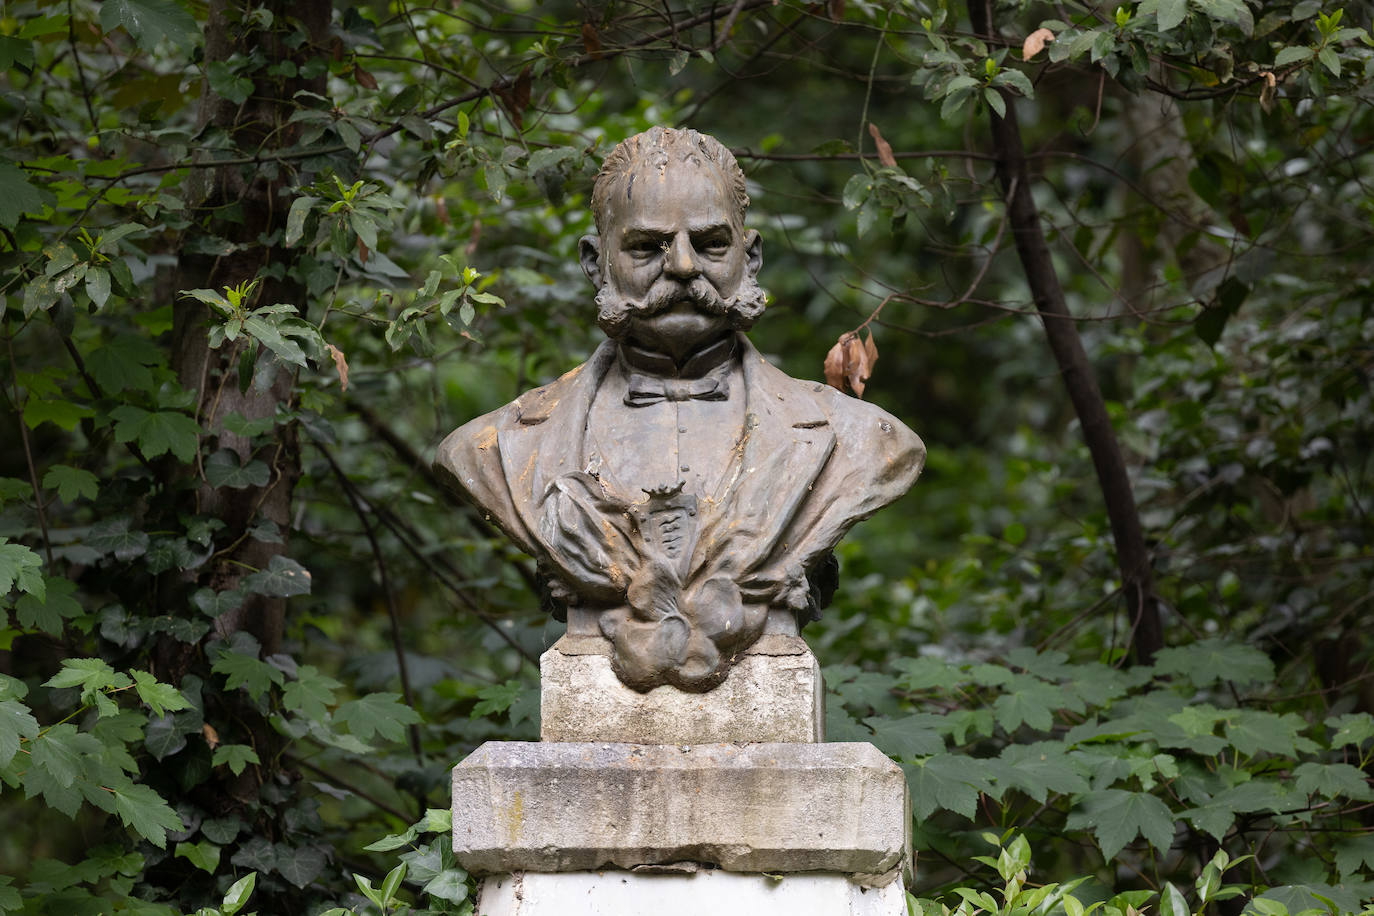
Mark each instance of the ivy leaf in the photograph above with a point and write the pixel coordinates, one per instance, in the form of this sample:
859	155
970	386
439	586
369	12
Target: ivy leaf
257	854
144	810
114	536
212	603
157	432
236	756
300	864
949	781
283	578
377	713
451	884
912	736
149	21
202	855
1332	780
71	483
163	737
222	469
19	566
1116	817
16	724
48	612
311	694
160	697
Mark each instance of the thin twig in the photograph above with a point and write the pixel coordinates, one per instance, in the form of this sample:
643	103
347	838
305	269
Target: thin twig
28	449
352	493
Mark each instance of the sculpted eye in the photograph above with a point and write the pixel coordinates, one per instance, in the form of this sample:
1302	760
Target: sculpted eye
716	245
645	248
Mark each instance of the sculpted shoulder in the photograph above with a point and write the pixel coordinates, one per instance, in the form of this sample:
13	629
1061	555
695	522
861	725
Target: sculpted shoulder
865	432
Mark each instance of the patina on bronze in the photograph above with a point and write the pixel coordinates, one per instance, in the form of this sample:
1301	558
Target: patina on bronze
680	494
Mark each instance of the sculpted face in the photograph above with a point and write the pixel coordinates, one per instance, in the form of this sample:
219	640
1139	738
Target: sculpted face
675	269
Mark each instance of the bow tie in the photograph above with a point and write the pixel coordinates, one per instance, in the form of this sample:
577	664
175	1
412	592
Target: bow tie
646	389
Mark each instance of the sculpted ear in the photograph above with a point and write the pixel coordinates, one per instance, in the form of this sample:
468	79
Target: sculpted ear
753	252
589	254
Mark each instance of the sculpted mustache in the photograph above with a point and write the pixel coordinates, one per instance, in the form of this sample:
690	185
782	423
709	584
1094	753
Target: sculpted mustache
699	292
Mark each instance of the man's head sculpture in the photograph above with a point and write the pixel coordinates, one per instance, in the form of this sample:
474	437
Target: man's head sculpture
681	495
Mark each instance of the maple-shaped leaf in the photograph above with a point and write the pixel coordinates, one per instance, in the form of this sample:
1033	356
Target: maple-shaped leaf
1116	817
913	736
1333	780
16	724
949	781
377	713
71	483
850	362
157	432
248	672
144	810
311	694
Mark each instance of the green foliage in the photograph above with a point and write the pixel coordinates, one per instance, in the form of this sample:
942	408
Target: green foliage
250	274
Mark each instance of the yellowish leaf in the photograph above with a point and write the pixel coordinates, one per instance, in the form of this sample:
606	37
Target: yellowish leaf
1035	42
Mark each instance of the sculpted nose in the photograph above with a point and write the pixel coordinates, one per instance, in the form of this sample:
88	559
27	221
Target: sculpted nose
681	261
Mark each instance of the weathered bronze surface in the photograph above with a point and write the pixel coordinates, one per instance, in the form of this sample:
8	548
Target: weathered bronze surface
679	492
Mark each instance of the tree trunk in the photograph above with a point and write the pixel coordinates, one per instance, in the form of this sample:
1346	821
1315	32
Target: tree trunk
1133	560
244	205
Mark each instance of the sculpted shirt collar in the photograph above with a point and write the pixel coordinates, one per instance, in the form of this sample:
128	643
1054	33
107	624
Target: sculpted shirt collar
704	361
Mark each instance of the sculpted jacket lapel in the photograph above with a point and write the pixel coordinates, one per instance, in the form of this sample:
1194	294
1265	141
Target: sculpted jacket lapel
781	455
545	441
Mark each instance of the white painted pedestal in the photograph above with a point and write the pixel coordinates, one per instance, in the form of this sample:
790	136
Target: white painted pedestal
706	893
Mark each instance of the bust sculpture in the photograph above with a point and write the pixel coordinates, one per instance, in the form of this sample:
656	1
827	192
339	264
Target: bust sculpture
681	495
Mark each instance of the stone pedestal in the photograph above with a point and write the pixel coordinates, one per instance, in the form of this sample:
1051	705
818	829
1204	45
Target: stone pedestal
671	803
762	808
773	693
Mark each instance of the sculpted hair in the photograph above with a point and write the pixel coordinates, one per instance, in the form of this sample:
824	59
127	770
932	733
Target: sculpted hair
660	146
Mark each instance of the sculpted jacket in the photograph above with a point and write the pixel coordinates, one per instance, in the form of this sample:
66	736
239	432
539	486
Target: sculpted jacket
808	464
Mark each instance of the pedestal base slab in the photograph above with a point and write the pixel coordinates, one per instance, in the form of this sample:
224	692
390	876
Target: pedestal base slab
776	808
618	893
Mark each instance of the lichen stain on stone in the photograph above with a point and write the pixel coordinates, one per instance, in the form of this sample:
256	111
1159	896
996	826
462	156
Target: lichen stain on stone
514	818
486	438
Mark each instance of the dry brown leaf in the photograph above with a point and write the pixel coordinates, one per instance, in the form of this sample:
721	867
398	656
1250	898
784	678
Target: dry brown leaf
850	362
836	9
1035	43
441	211
363	251
591	40
834	364
1271	85
884	148
857	367
211	736
341	364
365	79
